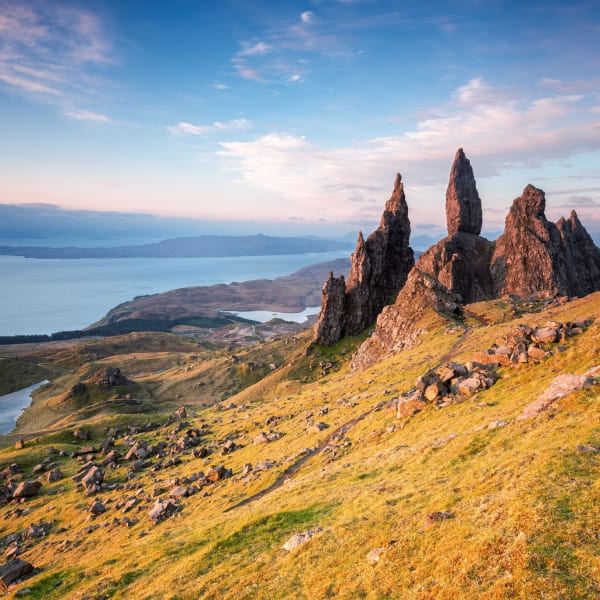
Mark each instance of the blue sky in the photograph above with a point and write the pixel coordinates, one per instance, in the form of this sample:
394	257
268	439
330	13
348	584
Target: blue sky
298	112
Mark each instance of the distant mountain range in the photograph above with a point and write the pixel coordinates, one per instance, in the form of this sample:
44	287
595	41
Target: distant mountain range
188	247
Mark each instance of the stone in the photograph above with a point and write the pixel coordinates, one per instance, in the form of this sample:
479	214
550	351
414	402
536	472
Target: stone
162	509
298	539
379	268
536	353
545	335
54	475
469	386
27	489
12	571
97	508
560	387
181	413
433	391
440	515
463	205
374	555
407	407
20	444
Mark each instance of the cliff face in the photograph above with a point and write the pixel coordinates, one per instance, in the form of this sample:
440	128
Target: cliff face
379	267
534	255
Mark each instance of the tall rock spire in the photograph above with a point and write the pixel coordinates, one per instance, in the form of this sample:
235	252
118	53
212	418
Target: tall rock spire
380	266
463	205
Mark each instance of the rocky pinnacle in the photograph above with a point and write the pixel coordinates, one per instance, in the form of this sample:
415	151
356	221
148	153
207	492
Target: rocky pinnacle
463	205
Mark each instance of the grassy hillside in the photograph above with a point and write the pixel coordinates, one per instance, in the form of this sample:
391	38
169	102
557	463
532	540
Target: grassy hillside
465	501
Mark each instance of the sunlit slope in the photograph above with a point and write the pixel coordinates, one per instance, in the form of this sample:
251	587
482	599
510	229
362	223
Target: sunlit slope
519	497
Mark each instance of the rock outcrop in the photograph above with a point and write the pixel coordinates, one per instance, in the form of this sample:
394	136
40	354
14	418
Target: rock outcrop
380	265
534	255
424	302
463	205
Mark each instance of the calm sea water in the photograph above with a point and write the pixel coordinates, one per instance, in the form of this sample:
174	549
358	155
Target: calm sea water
45	296
12	405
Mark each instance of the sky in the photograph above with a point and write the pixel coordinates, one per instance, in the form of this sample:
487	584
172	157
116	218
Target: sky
299	112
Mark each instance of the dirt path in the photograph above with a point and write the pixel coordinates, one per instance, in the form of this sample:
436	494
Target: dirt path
297	465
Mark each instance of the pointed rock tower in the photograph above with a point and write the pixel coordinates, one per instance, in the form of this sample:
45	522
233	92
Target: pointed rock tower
463	205
461	260
380	266
534	255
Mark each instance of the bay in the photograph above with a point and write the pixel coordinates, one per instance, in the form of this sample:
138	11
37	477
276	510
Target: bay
46	296
13	404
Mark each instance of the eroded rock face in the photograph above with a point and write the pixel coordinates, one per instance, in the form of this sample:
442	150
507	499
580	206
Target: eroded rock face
380	265
583	256
463	205
328	329
534	255
400	326
462	263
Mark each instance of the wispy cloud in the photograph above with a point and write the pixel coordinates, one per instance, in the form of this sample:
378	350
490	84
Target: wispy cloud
524	132
256	49
87	115
184	128
48	50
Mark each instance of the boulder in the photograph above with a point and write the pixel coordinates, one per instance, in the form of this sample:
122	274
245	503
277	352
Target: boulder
298	539
12	571
27	489
561	386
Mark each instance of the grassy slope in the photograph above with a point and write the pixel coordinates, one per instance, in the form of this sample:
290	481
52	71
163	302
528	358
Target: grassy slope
524	499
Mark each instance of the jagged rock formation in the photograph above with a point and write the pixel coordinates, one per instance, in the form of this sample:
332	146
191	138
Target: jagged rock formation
461	261
534	255
380	265
463	205
422	303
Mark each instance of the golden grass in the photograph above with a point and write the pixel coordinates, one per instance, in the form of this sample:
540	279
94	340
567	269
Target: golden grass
524	499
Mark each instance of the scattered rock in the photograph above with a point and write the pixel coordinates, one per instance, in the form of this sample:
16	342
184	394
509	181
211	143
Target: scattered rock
300	538
27	489
440	515
12	571
374	555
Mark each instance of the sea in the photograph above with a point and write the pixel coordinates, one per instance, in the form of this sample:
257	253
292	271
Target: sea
43	296
12	405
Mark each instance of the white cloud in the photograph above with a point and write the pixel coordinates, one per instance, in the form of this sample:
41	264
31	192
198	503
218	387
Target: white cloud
496	134
257	49
220	86
87	115
184	128
307	16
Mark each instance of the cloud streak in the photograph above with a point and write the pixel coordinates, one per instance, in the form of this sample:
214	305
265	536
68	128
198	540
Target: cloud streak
47	51
185	128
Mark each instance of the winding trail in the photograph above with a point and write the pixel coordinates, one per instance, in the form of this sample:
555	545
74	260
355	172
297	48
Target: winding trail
292	469
296	466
